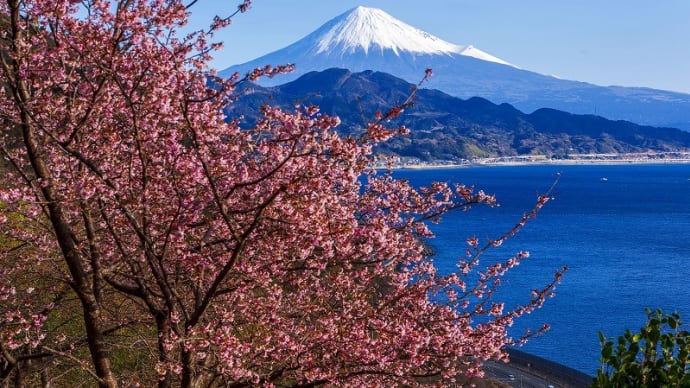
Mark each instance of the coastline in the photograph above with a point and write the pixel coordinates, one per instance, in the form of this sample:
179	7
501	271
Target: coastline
531	160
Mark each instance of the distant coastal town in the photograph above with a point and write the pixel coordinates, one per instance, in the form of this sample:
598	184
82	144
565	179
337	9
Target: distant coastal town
518	160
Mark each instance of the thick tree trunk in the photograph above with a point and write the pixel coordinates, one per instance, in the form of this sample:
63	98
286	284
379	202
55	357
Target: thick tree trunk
187	378
163	327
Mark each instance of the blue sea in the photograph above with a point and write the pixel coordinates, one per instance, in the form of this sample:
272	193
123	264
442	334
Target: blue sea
623	231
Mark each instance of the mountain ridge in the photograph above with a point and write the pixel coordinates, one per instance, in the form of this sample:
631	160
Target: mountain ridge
444	127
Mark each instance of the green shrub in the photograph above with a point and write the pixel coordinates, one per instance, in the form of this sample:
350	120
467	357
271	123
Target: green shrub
657	356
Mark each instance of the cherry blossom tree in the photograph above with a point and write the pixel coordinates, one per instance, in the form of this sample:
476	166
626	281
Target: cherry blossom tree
149	239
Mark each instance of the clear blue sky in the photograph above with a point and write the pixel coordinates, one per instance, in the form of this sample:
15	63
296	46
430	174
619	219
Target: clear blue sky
606	42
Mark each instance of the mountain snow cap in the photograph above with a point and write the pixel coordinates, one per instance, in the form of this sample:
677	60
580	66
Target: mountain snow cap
371	28
368	29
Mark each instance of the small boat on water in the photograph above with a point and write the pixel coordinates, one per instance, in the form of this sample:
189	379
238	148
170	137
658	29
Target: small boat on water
604	179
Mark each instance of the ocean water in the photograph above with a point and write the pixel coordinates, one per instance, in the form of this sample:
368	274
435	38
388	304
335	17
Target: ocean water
623	231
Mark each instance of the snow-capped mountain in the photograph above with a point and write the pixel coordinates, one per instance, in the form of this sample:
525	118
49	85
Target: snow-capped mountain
364	39
365	29
370	39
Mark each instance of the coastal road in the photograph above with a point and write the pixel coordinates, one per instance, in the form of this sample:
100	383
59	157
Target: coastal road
514	377
526	370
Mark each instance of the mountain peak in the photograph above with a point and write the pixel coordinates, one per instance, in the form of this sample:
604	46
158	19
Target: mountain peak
364	28
366	38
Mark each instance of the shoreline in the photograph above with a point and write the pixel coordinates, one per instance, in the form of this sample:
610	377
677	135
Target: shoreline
542	160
